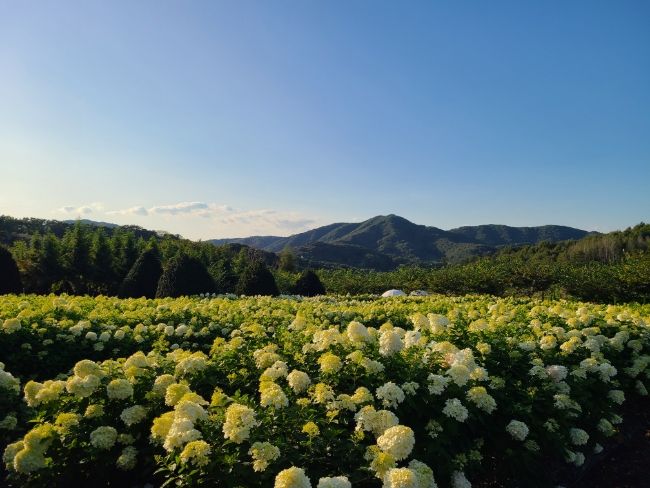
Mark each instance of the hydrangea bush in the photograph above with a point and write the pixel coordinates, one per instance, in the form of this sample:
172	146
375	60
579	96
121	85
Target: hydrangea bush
403	392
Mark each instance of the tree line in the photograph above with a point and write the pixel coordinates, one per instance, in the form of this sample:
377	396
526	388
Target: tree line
86	260
606	268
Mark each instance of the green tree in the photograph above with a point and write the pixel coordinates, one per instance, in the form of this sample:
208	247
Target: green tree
76	248
50	261
125	251
287	260
102	262
224	276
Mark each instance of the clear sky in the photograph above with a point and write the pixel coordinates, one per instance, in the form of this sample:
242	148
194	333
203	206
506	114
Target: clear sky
231	118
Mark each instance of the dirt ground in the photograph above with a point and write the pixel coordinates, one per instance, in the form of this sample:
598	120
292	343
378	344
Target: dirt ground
626	462
628	466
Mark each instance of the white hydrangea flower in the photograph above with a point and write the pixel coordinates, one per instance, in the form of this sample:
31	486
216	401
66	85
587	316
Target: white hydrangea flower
454	408
578	436
398	441
390	394
292	478
517	429
334	482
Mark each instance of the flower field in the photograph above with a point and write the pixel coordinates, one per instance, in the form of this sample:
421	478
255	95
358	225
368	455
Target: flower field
325	392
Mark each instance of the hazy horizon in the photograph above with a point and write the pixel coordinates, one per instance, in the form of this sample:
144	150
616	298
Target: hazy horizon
215	120
83	218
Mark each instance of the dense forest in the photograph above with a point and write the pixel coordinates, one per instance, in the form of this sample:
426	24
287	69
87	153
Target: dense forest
129	261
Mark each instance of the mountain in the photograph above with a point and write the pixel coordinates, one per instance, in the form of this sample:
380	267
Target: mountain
503	235
386	241
94	223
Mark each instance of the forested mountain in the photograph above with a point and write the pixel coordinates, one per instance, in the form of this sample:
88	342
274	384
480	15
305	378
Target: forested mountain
504	235
384	242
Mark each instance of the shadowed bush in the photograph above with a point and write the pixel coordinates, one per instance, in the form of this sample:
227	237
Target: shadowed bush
257	280
309	284
9	275
182	276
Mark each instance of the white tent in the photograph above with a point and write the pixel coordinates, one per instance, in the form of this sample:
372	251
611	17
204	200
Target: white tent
393	293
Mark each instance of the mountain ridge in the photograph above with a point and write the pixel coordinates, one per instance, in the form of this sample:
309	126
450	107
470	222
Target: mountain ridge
391	240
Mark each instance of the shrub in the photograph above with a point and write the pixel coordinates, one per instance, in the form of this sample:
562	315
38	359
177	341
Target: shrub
309	284
257	280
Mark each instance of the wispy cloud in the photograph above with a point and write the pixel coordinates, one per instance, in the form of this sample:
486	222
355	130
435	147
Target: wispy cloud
267	219
130	211
81	210
180	208
263	220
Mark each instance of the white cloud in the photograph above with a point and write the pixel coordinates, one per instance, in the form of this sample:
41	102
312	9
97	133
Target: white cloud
179	208
296	224
81	210
229	220
130	211
269	220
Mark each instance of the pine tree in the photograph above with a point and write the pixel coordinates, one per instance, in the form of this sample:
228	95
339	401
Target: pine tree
184	275
142	279
50	264
309	284
77	257
102	262
127	253
256	279
9	275
77	250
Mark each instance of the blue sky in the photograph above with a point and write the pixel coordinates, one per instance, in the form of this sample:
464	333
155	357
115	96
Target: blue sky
232	118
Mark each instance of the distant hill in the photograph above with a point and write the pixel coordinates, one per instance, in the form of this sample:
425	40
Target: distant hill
13	229
94	223
503	235
386	241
